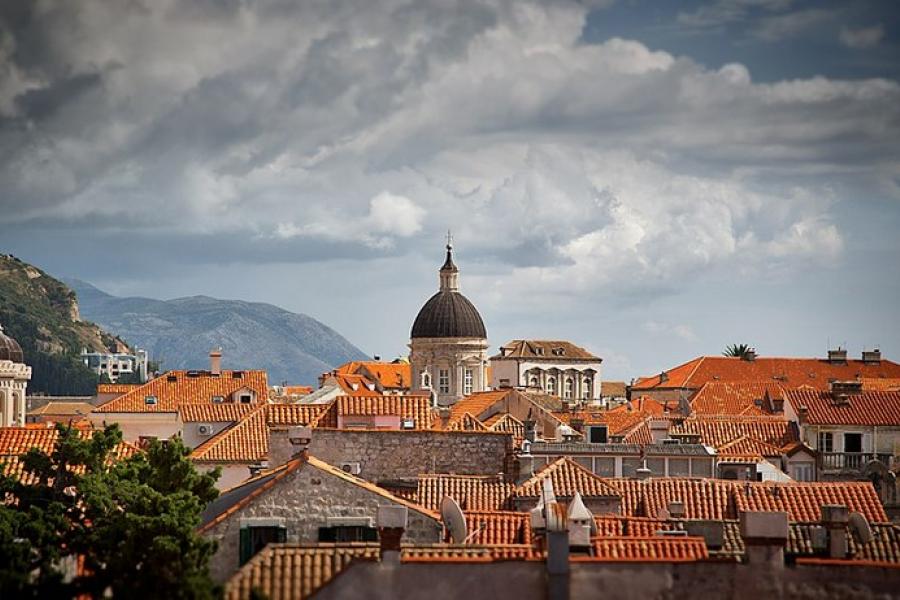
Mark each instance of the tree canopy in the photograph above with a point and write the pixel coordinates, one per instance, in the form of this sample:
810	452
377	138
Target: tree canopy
738	350
77	521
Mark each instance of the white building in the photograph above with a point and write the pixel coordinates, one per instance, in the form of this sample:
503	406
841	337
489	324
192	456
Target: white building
116	364
557	368
448	345
14	376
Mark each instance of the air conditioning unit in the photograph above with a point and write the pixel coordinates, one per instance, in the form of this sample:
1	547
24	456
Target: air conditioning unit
351	467
205	429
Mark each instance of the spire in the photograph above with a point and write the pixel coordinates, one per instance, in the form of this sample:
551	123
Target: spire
449	273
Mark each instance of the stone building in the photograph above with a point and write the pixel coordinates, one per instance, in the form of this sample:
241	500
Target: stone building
14	376
448	345
555	367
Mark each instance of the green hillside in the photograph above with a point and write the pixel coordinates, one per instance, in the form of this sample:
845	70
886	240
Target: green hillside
41	313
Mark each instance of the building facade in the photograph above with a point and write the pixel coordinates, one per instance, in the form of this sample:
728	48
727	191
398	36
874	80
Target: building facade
448	345
116	364
558	368
14	376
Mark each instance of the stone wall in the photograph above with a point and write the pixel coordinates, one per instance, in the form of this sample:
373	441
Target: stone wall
396	454
304	499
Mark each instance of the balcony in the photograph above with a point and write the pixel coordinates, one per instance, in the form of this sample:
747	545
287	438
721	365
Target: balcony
851	461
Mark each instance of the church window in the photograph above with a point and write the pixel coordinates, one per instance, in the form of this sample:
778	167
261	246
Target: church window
467	382
444	381
570	388
551	385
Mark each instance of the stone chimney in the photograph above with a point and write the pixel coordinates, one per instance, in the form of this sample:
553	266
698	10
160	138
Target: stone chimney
530	430
557	539
391	522
287	443
526	466
663	377
215	361
838	356
765	536
659	430
676	509
580	519
871	357
834	519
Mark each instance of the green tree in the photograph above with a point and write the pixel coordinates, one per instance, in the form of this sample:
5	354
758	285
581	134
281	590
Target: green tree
738	350
132	522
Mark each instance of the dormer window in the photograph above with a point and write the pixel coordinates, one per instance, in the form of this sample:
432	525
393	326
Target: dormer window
150	399
246	398
237	374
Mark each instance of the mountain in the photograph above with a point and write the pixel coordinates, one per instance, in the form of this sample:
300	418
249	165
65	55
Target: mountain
42	314
180	333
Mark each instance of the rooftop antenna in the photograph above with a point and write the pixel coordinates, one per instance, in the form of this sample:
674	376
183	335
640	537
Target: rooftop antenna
453	517
449	240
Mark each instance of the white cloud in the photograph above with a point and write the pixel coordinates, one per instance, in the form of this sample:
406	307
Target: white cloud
864	37
395	215
660	329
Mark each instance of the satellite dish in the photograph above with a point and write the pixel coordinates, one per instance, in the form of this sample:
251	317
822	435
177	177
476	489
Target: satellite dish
860	528
454	520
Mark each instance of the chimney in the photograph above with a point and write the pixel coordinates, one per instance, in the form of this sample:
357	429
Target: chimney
838	356
749	355
802	414
391	522
557	552
377	358
643	472
835	518
530	430
871	357
577	424
444	414
215	361
580	519
526	466
659	430
841	389
663	377
765	536
712	532
676	509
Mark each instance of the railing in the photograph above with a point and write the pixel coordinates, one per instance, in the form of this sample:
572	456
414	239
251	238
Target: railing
851	461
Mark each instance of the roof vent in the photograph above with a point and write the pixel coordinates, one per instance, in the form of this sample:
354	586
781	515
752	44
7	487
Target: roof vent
237	374
193	373
150	399
218	399
172	378
663	377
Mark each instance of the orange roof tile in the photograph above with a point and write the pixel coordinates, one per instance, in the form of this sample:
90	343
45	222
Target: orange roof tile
745	447
355	385
491	527
467	423
476	404
116	388
717	430
703	498
294	414
733	398
568	477
866	408
389	375
619	526
62	409
214	413
471	492
506	423
787	372
559	350
649	549
804	501
418	408
175	388
247	441
879	384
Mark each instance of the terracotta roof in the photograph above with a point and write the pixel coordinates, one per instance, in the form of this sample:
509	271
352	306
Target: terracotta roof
437	553
568	477
498	527
544	350
506	423
884	547
417	408
618	526
467	423
64	409
389	375
476	404
355	385
804	501
649	549
247	441
291	572
175	388
471	492
214	413
718	430
880	384
733	398
745	447
867	408
703	498
294	414
787	372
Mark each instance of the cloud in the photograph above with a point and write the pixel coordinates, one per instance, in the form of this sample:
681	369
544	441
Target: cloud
681	331
792	24
371	128
723	12
864	37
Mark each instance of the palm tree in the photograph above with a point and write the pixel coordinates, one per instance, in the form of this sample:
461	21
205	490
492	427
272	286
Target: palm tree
738	350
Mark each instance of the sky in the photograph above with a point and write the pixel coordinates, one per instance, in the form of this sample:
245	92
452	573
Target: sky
650	180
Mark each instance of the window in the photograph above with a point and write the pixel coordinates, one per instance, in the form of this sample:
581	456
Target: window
255	538
586	388
826	441
444	381
467	382
348	533
802	471
679	467
853	442
149	399
426	380
551	385
246	398
533	382
604	466
570	387
597	434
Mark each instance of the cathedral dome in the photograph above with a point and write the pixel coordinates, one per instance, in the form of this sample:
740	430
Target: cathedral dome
10	349
448	314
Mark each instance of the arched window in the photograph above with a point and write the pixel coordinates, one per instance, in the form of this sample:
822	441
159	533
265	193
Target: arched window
533	382
570	388
426	380
551	385
586	388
